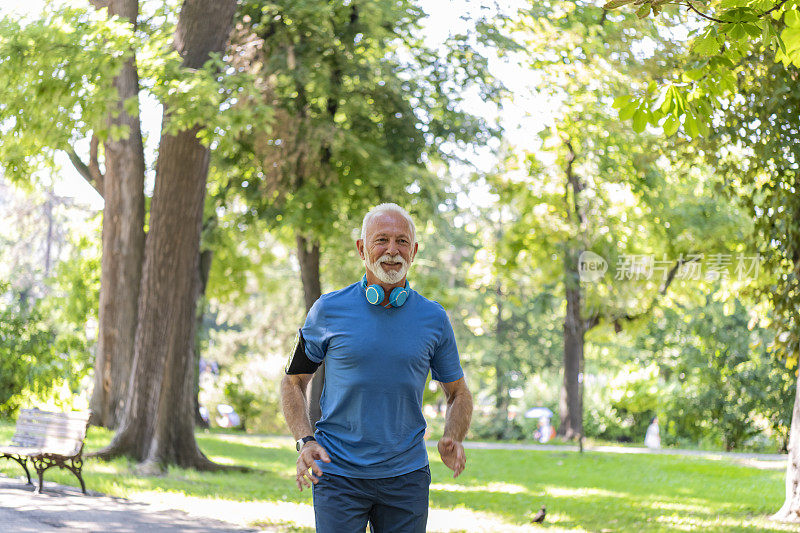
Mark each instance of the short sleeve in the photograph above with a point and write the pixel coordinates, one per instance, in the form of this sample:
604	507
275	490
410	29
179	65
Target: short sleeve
315	333
445	364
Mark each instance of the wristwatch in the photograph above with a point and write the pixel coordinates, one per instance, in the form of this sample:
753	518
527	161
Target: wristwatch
300	442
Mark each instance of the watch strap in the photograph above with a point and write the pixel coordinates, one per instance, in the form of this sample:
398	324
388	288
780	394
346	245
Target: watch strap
300	442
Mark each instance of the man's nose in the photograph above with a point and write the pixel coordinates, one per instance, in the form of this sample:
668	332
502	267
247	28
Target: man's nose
393	249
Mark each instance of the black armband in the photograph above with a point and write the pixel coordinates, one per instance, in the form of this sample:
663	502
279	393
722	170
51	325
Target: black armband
299	362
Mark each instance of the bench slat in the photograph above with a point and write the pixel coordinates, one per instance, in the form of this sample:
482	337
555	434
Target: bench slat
21	450
41	440
77	429
35	414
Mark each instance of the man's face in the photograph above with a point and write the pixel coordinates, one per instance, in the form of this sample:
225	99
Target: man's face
387	249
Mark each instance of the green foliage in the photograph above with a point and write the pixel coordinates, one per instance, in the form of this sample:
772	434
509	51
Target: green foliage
45	343
57	73
597	184
362	106
29	361
723	384
705	76
242	400
626	405
756	147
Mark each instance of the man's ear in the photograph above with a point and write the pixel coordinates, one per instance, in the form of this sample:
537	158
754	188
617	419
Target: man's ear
414	253
360	247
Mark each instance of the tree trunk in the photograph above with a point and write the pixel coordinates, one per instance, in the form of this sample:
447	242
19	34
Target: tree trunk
123	246
48	249
501	399
790	512
571	400
570	403
308	256
158	425
206	257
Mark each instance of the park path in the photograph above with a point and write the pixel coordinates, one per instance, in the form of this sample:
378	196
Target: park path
65	510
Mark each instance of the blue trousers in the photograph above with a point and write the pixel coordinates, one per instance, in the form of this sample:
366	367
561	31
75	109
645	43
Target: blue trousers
392	504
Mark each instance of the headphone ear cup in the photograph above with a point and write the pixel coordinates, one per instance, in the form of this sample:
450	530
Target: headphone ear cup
374	294
398	296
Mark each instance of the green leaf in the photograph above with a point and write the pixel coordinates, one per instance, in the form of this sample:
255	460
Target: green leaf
781	44
752	30
671	125
791	38
707	45
640	119
792	18
614	4
738	32
767	31
694	74
669	101
621	101
643	11
131	106
628	111
690	125
702	125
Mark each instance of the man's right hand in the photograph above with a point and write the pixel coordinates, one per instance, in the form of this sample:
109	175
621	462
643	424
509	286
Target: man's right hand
307	469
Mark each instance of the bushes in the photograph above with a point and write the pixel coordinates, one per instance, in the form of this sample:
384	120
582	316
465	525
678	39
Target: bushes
30	364
712	381
622	408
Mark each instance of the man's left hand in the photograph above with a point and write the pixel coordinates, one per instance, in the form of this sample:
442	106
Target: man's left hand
452	454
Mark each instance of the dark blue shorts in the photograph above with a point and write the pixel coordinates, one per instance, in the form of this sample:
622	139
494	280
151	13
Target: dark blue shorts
345	504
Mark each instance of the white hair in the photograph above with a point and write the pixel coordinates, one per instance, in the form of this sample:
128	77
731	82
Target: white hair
386	208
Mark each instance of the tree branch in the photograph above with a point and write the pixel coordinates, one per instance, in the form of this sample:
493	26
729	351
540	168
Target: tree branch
707	17
94	165
91	172
595	319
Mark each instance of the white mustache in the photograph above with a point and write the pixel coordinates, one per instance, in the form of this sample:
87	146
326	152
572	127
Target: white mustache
386	258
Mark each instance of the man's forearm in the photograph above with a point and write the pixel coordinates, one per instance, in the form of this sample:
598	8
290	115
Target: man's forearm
293	402
459	415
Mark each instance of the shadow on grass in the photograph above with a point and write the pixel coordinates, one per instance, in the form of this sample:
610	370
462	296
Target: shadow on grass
615	493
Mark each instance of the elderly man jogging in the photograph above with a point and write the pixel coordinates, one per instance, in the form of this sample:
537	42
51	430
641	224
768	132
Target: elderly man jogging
379	338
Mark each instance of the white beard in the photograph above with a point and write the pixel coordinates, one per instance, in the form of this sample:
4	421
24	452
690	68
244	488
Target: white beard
390	278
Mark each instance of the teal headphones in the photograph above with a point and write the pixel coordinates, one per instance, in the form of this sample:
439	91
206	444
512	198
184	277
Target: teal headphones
375	294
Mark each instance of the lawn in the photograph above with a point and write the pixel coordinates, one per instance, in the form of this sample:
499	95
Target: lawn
499	490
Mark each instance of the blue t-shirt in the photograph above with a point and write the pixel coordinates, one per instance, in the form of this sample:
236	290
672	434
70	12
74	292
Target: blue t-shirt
376	364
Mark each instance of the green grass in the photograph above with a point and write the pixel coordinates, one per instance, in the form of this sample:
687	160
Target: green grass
501	488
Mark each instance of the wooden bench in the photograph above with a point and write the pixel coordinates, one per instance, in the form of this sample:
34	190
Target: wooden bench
48	439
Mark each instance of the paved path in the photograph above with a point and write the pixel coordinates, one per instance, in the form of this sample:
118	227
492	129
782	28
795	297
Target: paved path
65	510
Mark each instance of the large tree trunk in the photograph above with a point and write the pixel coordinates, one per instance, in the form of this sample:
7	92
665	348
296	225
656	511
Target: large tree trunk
501	399
790	512
308	256
123	246
571	400
206	257
158	425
